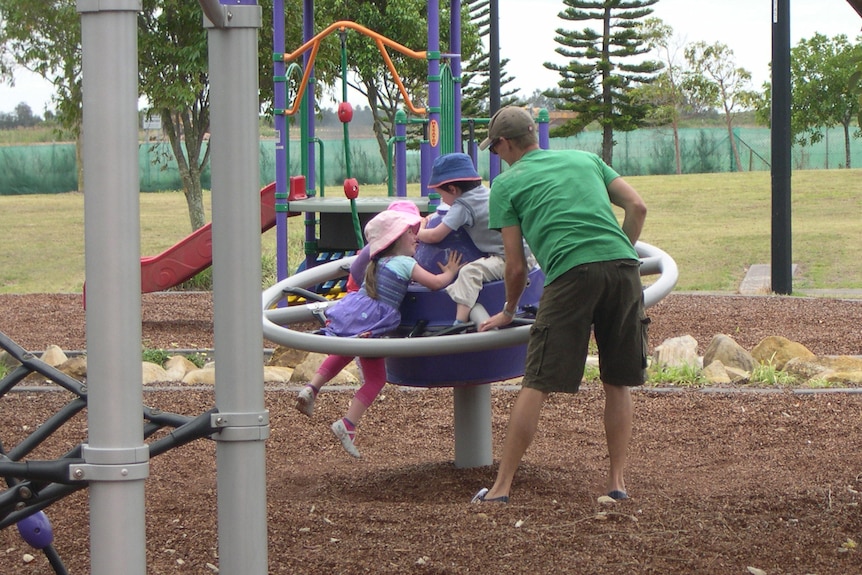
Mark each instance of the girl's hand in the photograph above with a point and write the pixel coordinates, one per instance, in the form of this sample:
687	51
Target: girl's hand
453	264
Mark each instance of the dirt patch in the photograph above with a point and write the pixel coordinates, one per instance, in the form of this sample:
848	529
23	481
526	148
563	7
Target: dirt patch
719	482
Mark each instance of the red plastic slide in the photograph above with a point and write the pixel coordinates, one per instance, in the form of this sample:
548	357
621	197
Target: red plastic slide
194	253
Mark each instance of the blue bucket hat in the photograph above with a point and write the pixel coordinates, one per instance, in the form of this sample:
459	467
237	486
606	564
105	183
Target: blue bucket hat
456	167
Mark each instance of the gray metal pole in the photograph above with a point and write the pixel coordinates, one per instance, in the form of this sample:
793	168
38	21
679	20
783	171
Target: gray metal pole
117	460
241	417
474	440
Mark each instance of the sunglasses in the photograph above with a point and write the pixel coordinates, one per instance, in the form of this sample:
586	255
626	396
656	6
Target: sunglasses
493	145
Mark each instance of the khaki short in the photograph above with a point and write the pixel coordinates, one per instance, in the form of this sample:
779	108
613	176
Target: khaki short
605	298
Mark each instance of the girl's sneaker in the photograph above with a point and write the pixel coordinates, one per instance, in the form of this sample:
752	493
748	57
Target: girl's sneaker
305	400
346	436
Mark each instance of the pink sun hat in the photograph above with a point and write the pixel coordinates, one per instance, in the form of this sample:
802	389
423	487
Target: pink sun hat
404	206
385	228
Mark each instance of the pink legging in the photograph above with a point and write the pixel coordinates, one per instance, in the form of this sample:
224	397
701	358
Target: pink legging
373	371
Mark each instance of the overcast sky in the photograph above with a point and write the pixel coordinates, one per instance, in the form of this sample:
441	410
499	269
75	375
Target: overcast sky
527	30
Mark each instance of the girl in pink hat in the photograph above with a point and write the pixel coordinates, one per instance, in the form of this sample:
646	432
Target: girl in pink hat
373	311
357	268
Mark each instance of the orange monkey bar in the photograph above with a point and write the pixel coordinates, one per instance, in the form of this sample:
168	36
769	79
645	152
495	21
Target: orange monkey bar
381	41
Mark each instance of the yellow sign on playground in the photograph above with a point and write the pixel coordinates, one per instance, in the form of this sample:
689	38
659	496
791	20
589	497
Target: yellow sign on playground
433	133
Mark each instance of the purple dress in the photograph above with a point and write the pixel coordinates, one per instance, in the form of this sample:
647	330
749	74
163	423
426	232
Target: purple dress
358	313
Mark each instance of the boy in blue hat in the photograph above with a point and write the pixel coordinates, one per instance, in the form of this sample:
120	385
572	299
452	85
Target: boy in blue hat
460	186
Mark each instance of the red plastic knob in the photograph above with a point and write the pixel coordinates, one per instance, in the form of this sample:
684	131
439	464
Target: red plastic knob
351	188
345	112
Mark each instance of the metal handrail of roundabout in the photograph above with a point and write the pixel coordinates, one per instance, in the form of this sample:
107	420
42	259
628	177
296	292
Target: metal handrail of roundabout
276	320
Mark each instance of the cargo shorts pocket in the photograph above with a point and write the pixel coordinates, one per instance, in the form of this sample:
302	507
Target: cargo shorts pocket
536	349
645	321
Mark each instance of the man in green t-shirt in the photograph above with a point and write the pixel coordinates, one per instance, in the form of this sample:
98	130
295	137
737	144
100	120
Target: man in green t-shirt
560	202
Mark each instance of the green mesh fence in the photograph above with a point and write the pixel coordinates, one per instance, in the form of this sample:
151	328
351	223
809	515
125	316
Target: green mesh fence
41	169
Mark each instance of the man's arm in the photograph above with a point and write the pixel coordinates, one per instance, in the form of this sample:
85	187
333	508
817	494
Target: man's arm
515	277
622	194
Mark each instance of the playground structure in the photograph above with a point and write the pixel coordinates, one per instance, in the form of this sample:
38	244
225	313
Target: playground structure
340	228
114	463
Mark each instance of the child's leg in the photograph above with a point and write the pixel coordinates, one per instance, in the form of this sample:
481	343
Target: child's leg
330	367
462	313
374	371
464	291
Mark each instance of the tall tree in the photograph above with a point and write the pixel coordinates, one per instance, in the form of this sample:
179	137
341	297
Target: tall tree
44	36
173	69
476	78
715	80
821	69
665	94
603	67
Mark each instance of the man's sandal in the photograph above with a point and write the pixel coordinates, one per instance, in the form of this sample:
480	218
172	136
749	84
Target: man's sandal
480	497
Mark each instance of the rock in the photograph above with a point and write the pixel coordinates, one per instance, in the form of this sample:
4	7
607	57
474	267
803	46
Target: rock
200	377
153	373
844	363
677	352
728	352
287	357
737	376
831	369
306	370
846	377
54	356
716	374
75	367
277	374
8	361
776	351
178	366
804	368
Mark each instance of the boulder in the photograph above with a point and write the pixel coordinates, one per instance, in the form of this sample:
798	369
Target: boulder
776	351
204	376
287	357
831	369
303	372
277	374
75	367
54	356
8	361
177	366
737	376
804	368
677	352
154	373
724	349
716	374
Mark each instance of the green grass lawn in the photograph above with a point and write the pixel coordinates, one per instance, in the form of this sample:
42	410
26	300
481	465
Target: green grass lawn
713	225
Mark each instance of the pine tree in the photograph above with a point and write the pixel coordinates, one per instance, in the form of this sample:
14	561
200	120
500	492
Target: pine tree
475	83
603	67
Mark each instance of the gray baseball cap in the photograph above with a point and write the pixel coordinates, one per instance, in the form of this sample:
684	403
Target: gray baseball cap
509	122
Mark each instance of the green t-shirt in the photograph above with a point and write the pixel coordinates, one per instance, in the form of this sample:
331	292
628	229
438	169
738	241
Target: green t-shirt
560	200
